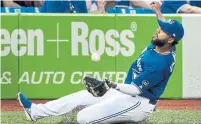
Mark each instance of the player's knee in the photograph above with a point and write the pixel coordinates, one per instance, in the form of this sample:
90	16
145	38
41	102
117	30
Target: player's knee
83	117
141	117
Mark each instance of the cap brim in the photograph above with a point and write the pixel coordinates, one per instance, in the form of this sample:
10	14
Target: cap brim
161	23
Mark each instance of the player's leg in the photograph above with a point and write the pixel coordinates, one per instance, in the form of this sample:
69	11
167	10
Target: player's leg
60	106
121	108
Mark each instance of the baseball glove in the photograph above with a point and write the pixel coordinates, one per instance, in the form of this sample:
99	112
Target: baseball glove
96	87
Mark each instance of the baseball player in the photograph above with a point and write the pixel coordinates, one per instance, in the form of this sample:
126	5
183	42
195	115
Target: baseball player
133	101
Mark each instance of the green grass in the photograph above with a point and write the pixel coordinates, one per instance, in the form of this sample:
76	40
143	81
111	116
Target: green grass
159	117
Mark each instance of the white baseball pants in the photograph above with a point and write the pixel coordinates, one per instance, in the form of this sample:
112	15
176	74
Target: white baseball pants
113	107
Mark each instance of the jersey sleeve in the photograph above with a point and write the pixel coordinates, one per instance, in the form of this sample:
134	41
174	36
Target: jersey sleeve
150	77
172	6
129	77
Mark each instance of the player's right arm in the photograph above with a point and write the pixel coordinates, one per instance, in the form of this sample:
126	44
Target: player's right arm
151	76
156	7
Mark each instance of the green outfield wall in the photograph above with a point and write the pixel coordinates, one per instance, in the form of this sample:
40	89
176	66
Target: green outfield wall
46	56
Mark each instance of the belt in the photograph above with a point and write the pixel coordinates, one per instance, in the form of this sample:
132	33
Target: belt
153	102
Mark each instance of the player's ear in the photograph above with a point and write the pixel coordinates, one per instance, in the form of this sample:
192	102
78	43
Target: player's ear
170	40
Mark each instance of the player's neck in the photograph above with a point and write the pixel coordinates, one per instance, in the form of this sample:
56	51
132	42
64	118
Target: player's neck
163	50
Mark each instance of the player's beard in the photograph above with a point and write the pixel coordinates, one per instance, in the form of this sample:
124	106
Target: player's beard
159	43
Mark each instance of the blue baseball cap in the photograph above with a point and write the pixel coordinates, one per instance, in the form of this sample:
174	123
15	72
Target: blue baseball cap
172	28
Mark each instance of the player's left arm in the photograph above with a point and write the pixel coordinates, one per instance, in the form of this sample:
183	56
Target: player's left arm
127	89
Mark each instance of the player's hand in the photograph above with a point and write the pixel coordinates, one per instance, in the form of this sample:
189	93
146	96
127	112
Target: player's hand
96	87
110	83
156	6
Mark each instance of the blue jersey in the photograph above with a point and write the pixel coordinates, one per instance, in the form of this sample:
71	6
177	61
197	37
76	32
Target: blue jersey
59	6
175	6
195	3
172	6
64	6
122	3
151	72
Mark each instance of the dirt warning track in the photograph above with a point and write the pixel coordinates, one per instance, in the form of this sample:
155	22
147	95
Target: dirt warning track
13	105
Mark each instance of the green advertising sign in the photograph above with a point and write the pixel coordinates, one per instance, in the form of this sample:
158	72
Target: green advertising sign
9	56
54	52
